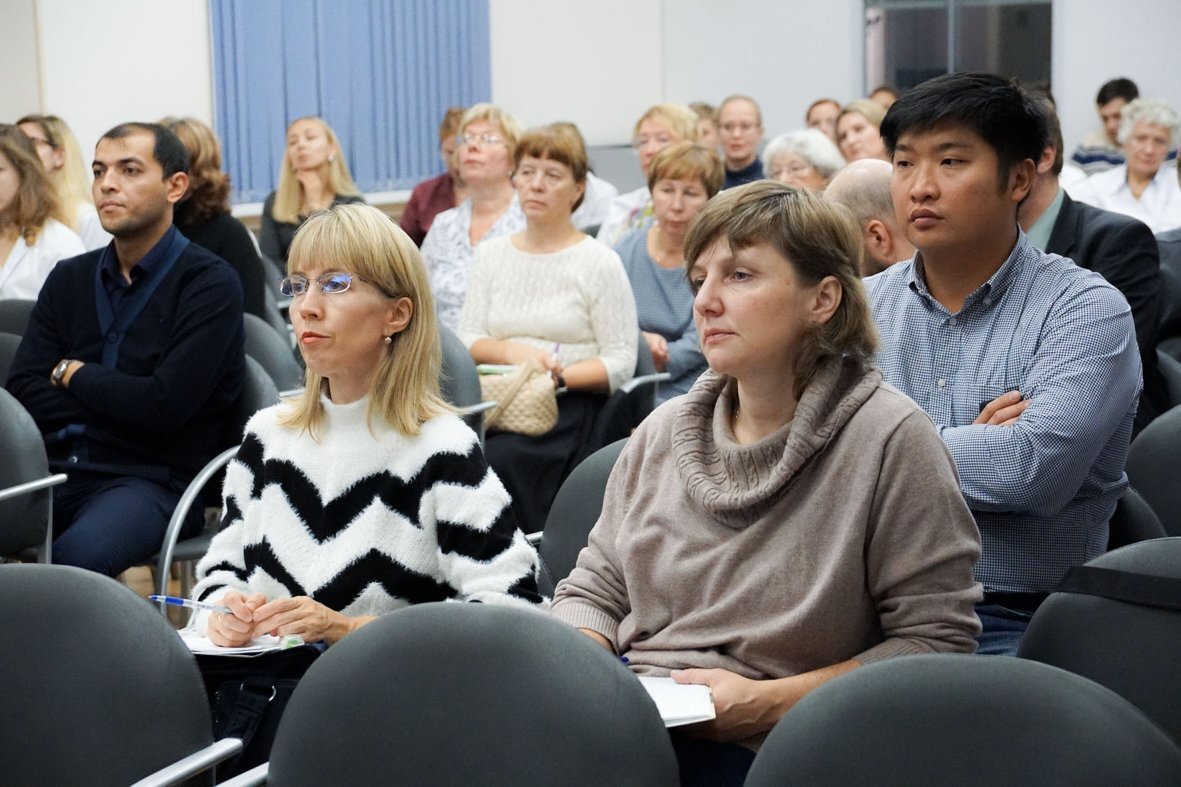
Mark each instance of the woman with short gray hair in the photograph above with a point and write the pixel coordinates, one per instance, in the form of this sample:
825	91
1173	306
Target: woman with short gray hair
1143	187
805	159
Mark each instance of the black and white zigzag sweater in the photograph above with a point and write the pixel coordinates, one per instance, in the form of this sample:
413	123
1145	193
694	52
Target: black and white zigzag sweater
366	521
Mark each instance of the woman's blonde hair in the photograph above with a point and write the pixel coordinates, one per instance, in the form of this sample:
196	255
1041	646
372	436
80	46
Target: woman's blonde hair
819	238
679	119
209	187
361	239
687	161
289	193
72	180
510	129
35	201
873	112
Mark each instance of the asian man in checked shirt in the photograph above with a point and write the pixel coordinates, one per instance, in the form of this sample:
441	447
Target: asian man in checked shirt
1027	363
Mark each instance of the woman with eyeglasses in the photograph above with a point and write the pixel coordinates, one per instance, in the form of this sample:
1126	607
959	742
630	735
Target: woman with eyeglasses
554	296
656	129
314	176
805	159
487	136
32	236
367	492
70	174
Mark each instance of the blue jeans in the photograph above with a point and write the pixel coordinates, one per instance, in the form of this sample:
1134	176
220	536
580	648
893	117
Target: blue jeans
111	523
1002	630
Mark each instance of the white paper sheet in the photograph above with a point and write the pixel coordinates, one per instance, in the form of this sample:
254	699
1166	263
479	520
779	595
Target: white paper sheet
679	703
259	645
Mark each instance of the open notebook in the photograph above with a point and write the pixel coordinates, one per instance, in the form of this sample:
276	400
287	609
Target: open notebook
679	703
203	646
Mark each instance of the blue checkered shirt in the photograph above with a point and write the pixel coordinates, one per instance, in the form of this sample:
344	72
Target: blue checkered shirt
1043	489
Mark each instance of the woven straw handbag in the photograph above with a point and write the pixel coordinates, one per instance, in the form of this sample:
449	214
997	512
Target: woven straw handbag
525	400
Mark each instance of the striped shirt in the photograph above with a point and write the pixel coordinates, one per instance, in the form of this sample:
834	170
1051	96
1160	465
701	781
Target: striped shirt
1043	489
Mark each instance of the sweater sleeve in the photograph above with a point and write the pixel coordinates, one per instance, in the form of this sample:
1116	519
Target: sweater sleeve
223	568
595	595
921	548
481	552
477	302
613	320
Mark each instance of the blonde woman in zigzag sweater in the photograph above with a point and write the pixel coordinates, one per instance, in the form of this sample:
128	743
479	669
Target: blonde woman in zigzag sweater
367	493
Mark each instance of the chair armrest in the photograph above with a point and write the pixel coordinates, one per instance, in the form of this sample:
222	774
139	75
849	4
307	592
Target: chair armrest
533	538
479	407
191	493
33	486
643	379
196	762
290	393
256	775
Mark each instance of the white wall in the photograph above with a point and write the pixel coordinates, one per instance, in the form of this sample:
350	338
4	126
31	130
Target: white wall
783	53
19	85
117	60
597	65
1096	40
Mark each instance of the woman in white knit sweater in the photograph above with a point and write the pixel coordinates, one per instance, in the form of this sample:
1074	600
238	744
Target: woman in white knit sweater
553	295
792	516
367	493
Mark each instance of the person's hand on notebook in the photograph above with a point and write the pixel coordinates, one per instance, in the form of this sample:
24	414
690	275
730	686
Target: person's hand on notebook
237	628
306	617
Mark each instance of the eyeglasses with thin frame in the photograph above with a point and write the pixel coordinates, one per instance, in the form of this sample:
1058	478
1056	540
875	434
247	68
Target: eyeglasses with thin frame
485	140
795	168
331	283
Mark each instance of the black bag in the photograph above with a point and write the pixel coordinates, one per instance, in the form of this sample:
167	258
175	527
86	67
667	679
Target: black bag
247	697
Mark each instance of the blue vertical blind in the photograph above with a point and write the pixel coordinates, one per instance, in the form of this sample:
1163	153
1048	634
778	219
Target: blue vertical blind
381	72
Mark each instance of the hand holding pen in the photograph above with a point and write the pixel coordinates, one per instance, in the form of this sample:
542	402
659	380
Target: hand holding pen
235	627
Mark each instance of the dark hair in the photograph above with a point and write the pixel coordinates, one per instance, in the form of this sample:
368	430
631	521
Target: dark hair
1120	87
1043	100
169	152
992	107
209	187
818	238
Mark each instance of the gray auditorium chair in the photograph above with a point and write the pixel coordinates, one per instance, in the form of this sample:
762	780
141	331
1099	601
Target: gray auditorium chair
26	497
97	689
630	404
472	694
1132	647
14	315
460	382
8	344
1133	521
273	352
575	510
1154	460
258	391
963	720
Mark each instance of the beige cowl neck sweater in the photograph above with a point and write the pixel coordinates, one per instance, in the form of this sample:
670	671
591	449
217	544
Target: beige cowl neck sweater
842	535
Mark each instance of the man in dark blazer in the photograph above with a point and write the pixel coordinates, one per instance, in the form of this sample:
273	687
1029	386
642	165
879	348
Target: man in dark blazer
1120	248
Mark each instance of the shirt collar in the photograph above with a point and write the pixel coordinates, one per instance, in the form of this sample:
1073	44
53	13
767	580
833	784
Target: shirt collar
145	268
990	291
1039	233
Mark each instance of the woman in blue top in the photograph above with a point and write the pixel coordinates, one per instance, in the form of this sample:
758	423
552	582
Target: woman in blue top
682	177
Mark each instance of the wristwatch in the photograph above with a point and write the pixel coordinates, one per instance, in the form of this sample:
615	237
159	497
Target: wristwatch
59	372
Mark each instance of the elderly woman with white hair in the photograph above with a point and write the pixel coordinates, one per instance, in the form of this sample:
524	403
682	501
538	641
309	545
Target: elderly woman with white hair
805	159
1143	187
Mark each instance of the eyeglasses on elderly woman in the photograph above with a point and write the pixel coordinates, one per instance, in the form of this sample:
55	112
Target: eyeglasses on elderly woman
331	283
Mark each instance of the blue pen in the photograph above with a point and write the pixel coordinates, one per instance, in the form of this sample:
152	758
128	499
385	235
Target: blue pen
184	602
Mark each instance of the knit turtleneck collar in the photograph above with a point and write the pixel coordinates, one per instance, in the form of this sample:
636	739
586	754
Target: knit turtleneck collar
738	483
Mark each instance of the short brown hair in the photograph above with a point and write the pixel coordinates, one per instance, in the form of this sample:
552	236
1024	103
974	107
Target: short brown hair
558	142
209	187
687	161
819	239
449	126
36	199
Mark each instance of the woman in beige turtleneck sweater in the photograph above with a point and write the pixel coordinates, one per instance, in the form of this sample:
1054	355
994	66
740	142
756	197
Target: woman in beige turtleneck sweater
792	517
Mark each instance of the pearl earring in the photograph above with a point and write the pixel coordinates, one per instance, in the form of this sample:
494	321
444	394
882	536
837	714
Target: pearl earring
331	157
389	339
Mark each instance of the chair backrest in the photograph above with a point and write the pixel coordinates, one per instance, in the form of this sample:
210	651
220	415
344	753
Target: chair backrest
575	510
98	688
14	315
1132	649
1169	334
1153	459
627	407
23	519
964	720
460	382
474	694
273	352
8	344
1133	521
1169	367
